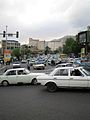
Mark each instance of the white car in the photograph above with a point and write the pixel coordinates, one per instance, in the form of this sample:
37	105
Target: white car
65	77
39	66
16	64
18	75
23	61
64	65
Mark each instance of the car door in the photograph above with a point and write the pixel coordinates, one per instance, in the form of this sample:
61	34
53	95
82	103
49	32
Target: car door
11	77
22	77
77	79
61	77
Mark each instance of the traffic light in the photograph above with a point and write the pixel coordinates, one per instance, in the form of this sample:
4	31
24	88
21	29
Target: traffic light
17	34
4	33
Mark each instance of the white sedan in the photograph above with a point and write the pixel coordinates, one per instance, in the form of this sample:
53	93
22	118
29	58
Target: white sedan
16	64
18	75
39	66
65	77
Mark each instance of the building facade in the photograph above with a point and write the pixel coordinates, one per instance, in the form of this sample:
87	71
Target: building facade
9	44
53	45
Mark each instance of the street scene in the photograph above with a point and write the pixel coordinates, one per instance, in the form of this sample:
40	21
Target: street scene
44	60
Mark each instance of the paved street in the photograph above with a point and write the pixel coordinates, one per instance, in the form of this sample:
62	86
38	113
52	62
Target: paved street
48	68
35	103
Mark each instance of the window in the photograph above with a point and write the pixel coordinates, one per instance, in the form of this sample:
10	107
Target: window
61	72
20	72
13	72
57	73
76	72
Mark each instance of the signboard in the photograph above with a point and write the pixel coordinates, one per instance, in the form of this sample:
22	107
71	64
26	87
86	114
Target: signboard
7	55
84	37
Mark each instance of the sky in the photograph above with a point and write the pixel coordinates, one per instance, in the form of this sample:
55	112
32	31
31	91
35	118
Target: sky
44	19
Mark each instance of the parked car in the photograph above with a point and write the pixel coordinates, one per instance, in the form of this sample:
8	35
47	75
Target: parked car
16	64
65	77
18	75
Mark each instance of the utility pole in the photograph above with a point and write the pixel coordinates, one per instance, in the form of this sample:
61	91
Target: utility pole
6	37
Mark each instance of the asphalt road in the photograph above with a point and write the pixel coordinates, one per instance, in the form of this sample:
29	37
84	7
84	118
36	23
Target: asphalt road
34	102
48	68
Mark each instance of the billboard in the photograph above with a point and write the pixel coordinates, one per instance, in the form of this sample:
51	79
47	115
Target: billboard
7	55
84	37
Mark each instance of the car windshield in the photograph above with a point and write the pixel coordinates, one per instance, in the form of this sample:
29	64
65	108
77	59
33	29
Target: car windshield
87	73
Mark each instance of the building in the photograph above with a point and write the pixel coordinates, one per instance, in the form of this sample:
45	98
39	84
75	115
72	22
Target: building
33	42
53	44
40	45
56	43
9	44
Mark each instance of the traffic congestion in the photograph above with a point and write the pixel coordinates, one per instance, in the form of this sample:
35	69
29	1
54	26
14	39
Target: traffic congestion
53	72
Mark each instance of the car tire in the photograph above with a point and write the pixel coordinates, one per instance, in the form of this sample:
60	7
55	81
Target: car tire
51	87
5	83
34	81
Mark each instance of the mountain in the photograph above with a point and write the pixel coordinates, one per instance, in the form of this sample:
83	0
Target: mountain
63	39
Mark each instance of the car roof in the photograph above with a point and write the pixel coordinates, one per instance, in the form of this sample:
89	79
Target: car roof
16	69
64	64
68	67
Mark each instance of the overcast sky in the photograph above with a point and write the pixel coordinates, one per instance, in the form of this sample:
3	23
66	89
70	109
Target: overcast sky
44	19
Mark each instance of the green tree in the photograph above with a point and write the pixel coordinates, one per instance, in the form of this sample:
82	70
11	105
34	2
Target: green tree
47	50
71	46
16	53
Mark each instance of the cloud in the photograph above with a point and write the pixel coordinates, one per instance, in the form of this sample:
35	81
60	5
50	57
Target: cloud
44	19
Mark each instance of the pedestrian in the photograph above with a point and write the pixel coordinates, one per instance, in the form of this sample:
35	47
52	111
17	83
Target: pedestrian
28	66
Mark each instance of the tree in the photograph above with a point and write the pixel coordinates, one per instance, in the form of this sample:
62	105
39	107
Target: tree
71	46
16	53
47	50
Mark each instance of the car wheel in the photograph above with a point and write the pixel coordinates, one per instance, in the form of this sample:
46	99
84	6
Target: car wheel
5	83
34	81
51	87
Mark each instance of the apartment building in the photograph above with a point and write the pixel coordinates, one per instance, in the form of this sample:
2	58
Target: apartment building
9	44
40	45
33	42
54	44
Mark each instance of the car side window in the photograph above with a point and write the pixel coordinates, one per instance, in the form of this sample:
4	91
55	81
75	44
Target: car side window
20	72
13	72
57	73
76	73
62	72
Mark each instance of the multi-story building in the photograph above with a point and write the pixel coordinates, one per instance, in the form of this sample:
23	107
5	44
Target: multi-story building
33	42
9	44
40	45
54	44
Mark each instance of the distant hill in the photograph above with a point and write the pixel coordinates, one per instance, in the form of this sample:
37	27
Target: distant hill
63	39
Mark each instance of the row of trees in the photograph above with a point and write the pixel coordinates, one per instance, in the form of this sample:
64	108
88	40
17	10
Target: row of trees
70	46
